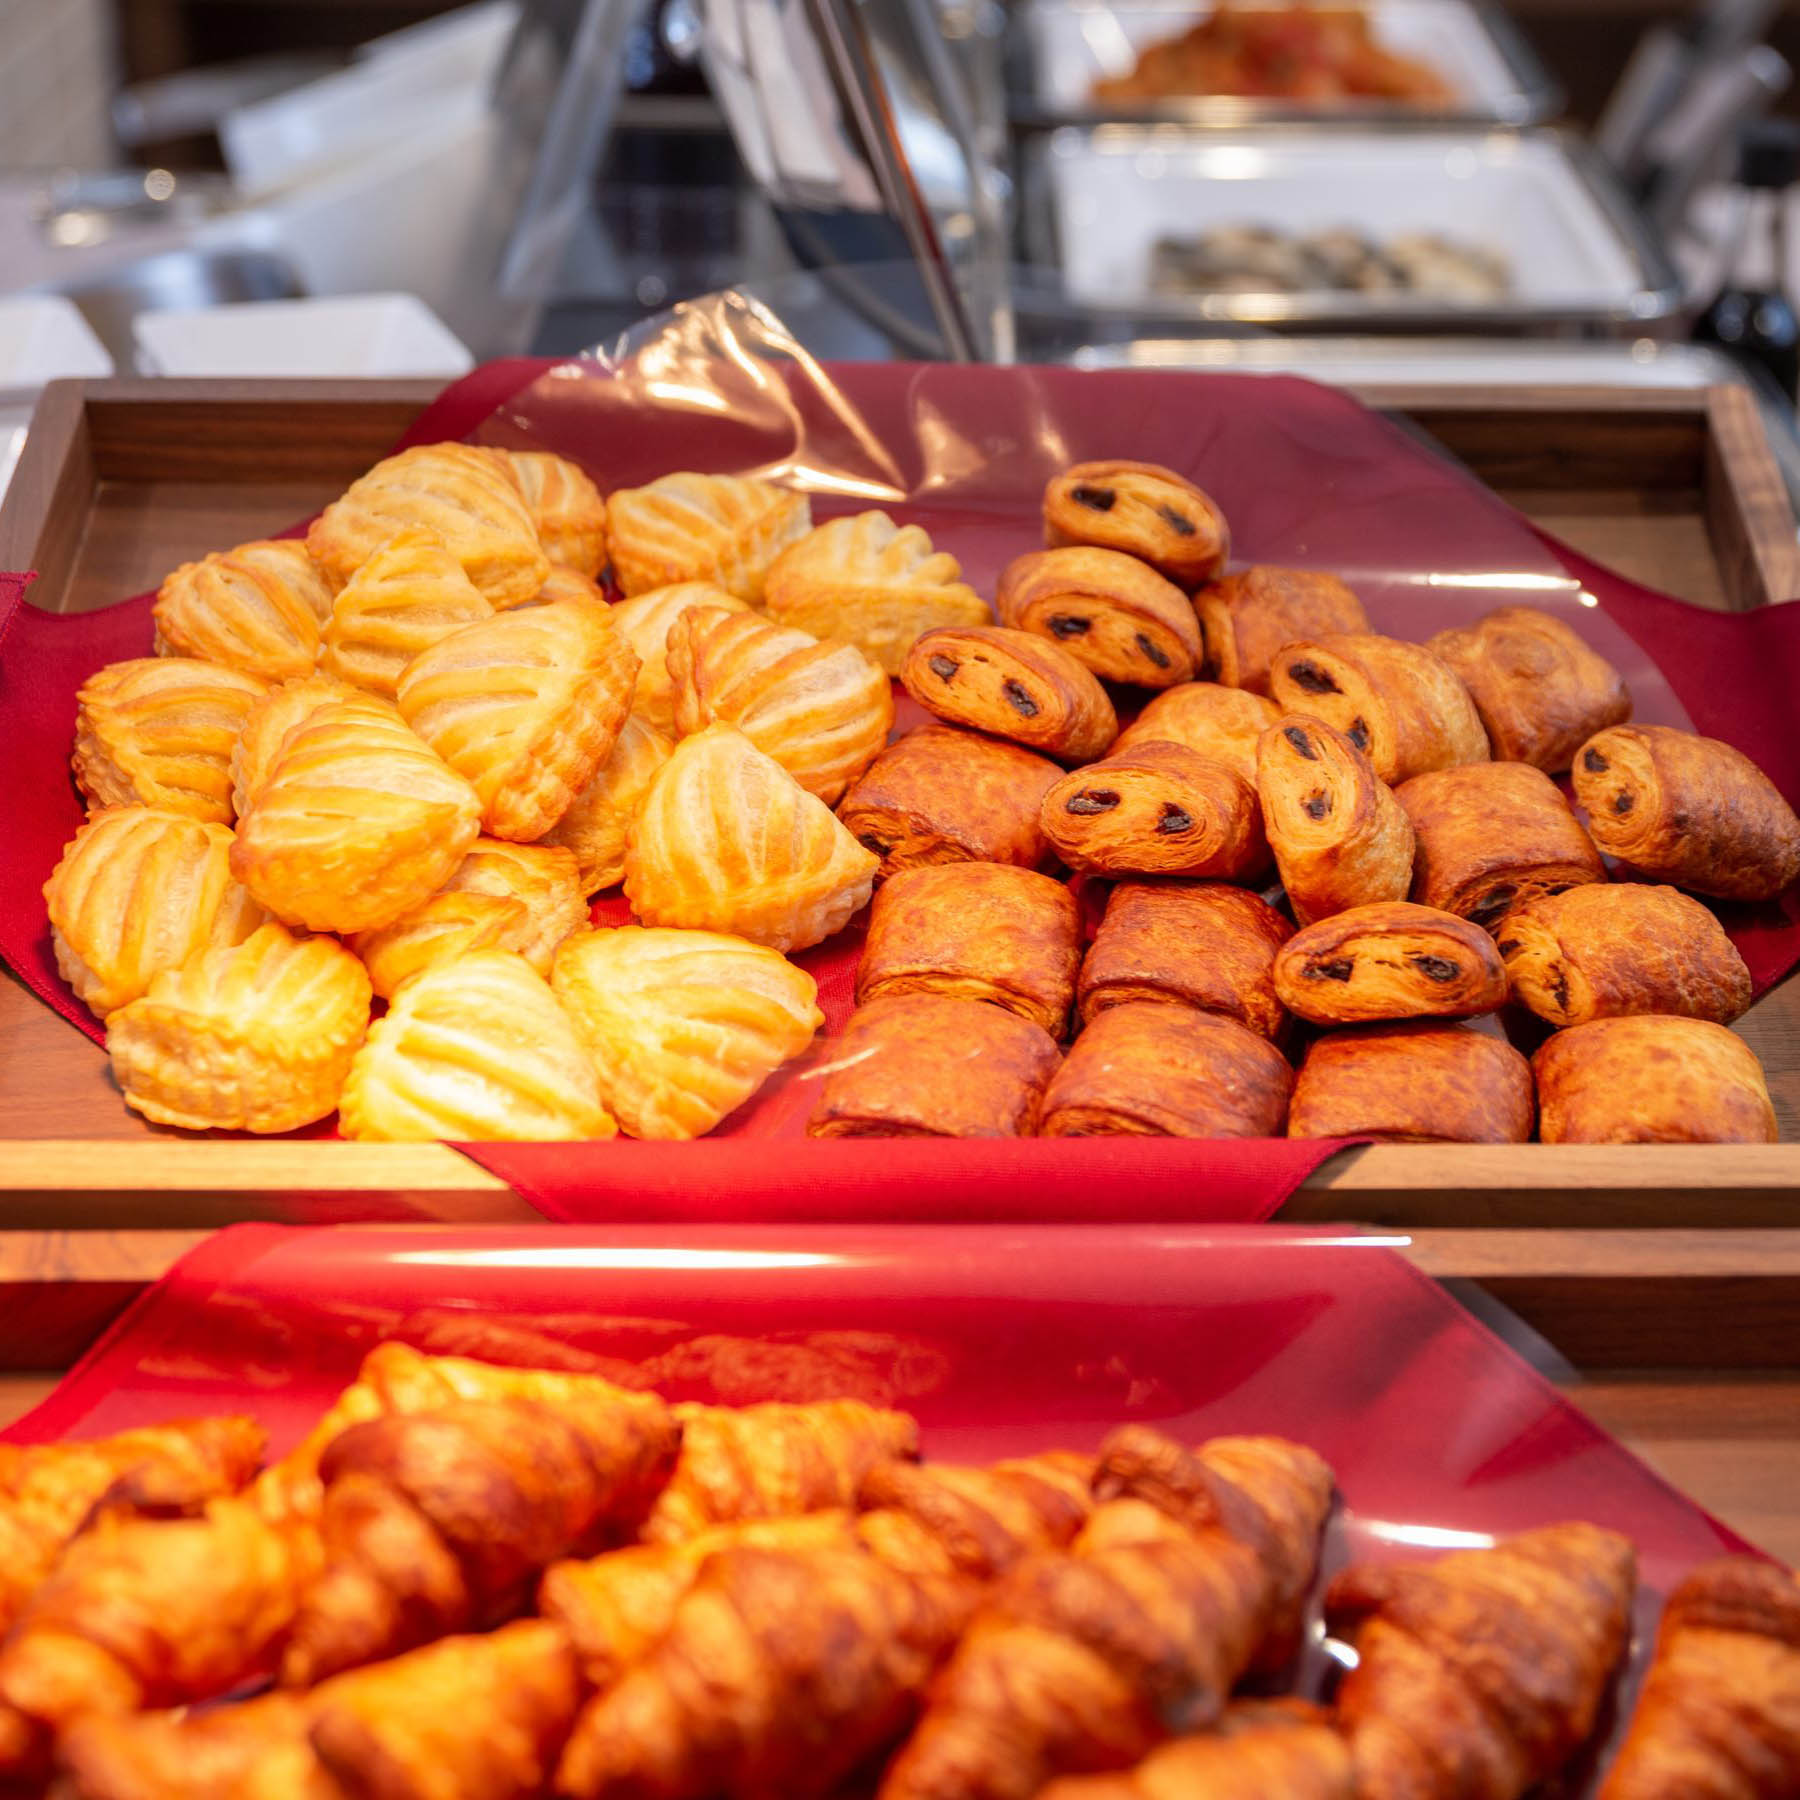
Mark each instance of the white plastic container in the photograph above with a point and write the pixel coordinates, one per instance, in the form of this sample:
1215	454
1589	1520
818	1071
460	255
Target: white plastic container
44	338
352	335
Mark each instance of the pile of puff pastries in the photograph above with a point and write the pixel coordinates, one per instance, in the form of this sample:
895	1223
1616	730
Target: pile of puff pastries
394	761
481	1582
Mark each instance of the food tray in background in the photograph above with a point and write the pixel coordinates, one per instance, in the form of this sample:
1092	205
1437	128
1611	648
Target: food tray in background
1060	48
1097	201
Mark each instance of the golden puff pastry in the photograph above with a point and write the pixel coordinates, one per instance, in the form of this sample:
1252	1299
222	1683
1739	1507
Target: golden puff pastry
1108	610
1143	509
727	840
566	584
526	705
443	929
976	931
478	1049
159	731
718	528
1015	685
1541	692
1392	960
599	818
1202	944
1606	951
1418	1082
1145	1070
871	583
259	608
1339	836
1221	722
357	823
467	498
276	714
823	711
684	1026
1688	810
409	593
1245	618
566	510
256	1036
1490	835
1652	1079
645	621
1407	709
942	795
924	1065
140	890
1157	809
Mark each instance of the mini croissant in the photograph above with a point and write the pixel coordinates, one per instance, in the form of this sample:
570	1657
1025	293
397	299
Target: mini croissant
258	608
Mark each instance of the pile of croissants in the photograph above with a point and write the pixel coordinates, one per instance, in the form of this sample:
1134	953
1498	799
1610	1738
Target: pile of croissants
392	762
480	1582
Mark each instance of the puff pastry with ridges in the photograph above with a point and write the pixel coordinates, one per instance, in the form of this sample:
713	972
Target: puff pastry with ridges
443	929
258	608
140	890
276	714
357	823
872	583
544	878
598	820
1144	510
159	731
645	621
1224	723
728	840
718	528
409	593
527	705
1391	960
566	510
823	711
1108	610
465	497
477	1049
1245	618
567	584
684	1026
256	1036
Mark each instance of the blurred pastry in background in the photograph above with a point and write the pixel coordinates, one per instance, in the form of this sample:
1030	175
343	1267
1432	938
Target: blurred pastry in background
1263	259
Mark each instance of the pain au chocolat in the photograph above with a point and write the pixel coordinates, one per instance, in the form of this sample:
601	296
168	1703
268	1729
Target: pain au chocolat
259	608
1015	685
1247	617
1146	1070
1108	610
1688	810
1143	509
1391	960
1223	723
923	1065
975	931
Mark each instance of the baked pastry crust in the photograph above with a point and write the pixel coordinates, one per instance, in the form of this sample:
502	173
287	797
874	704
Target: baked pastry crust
477	1049
465	497
727	840
139	890
545	879
567	584
1339	836
598	820
1245	618
357	823
1159	809
409	593
1392	960
1688	810
684	1026
526	705
1405	707
255	1036
1108	610
159	731
1419	1082
1143	509
944	795
823	711
566	510
1147	1070
1607	951
1541	692
921	1065
443	929
1490	835
1015	685
685	527
1652	1079
258	608
871	583
975	931
646	622
1202	944
1221	722
272	717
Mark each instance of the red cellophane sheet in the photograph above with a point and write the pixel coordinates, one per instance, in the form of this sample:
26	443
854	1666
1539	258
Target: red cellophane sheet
1000	1340
1306	475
